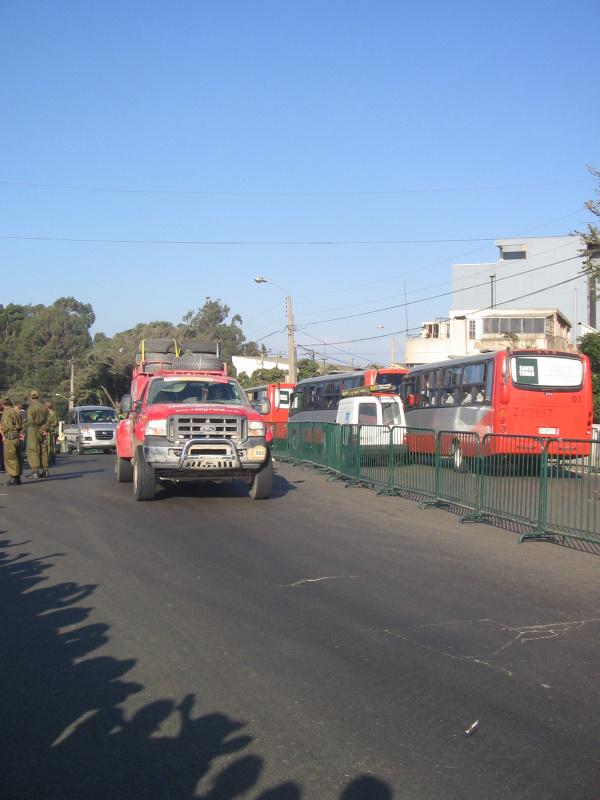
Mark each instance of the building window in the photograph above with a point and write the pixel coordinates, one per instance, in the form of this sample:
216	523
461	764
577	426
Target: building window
512	252
471	329
518	325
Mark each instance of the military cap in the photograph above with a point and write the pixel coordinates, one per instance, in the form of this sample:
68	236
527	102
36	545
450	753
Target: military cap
6	401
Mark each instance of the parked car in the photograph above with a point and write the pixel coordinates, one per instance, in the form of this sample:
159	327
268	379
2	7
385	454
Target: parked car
91	428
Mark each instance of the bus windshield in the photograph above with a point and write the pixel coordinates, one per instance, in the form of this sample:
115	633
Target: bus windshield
393	378
546	371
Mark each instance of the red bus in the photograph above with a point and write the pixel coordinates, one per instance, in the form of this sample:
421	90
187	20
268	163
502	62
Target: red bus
519	393
279	396
317	399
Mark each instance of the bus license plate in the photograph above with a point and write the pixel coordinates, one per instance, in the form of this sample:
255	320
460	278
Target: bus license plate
549	431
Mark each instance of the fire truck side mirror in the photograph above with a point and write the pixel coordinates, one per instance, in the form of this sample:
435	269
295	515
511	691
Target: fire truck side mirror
411	400
125	404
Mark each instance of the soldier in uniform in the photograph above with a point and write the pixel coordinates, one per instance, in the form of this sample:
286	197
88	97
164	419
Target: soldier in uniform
37	432
52	431
11	428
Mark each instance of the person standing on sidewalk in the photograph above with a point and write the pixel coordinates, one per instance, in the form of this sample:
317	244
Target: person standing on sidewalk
52	431
37	432
11	428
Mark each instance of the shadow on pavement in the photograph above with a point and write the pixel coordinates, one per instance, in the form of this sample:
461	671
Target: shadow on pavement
281	487
64	733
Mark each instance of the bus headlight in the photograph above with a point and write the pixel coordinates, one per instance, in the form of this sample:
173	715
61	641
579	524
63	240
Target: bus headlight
256	428
156	427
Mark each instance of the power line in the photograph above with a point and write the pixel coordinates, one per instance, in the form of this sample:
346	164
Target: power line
442	294
248	242
256	242
485	308
360	193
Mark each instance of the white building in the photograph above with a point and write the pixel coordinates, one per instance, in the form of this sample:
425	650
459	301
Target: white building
542	271
470	332
249	364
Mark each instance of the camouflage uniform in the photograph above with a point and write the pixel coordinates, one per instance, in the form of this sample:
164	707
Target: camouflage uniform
12	431
52	431
37	431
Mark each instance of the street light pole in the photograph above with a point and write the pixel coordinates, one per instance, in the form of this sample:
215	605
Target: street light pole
291	330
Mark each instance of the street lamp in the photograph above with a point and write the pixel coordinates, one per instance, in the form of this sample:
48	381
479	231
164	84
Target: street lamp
291	328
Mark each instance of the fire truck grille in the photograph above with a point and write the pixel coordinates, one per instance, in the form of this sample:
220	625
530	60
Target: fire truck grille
204	427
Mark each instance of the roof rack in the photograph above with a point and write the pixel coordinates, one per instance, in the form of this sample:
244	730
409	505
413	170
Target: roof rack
374	388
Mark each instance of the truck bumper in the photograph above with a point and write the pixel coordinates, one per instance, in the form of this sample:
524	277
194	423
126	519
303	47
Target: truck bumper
205	458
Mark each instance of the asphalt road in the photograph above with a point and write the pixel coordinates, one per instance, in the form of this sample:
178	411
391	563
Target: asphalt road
324	644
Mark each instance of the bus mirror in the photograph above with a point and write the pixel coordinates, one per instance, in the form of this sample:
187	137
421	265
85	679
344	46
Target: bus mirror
263	407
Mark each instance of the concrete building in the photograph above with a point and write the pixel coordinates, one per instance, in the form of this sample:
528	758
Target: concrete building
543	272
470	332
249	364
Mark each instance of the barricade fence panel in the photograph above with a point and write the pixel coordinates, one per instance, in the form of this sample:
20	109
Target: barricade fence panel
551	486
457	468
280	439
414	473
513	478
572	489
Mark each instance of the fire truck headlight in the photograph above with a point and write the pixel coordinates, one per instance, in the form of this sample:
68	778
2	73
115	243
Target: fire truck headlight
156	427
256	428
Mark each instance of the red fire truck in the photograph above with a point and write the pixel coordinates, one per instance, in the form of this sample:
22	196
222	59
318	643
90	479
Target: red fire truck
188	421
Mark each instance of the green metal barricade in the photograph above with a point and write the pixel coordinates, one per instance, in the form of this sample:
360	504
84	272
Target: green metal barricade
279	445
572	492
457	469
513	479
332	447
350	452
376	446
414	469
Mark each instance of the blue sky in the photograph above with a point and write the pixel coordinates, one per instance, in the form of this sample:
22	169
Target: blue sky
280	124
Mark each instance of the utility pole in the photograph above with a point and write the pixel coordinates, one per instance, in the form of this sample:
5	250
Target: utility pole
393	350
291	329
72	385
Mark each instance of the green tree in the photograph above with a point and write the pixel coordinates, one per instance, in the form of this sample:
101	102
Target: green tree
589	344
307	368
591	236
212	321
44	340
274	375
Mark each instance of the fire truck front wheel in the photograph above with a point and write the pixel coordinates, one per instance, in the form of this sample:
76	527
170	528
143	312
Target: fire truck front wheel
123	470
144	479
262	485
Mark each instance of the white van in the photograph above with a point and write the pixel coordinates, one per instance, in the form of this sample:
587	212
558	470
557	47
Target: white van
381	418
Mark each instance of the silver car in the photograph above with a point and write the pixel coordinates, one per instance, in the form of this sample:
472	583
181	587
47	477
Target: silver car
91	428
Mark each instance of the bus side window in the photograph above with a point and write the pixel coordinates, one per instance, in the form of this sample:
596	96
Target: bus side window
489	381
473	392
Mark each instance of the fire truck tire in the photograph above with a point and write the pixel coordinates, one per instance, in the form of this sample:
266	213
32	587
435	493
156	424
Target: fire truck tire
159	345
144	479
198	361
262	485
199	346
123	470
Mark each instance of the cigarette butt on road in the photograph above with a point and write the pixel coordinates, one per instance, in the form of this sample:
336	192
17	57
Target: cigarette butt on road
472	728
